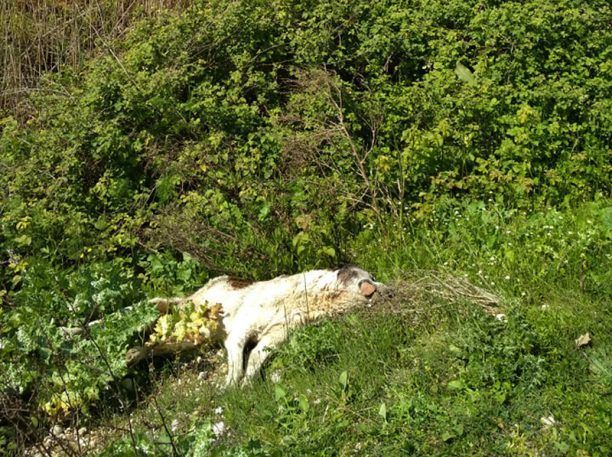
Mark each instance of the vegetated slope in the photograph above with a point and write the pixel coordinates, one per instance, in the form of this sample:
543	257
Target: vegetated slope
261	138
427	379
432	371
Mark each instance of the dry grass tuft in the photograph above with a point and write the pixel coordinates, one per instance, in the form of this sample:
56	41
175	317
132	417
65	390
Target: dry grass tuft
435	286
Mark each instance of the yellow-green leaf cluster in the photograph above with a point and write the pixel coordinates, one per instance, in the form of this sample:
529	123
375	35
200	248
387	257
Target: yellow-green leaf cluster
190	323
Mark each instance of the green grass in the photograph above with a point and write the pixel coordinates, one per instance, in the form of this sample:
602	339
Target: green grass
424	375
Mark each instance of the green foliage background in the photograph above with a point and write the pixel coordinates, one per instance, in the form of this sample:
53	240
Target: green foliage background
266	137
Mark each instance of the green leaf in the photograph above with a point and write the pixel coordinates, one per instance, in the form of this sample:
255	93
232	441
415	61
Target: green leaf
328	251
343	379
455	350
279	393
447	436
184	274
23	240
264	211
464	74
16	280
304	405
382	411
456	384
459	429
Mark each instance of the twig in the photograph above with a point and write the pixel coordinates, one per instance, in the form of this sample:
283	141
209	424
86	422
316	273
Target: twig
163	419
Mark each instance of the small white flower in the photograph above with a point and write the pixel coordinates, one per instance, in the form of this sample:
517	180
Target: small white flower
275	377
507	278
218	429
175	425
548	422
501	317
219	410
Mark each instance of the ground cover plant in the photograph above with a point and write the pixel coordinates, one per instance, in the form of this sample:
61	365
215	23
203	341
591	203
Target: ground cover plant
468	138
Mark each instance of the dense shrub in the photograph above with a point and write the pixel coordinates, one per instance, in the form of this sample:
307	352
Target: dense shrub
255	131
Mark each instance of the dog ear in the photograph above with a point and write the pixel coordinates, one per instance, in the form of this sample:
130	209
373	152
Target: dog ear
367	288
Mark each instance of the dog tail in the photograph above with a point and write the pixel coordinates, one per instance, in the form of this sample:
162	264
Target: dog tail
164	305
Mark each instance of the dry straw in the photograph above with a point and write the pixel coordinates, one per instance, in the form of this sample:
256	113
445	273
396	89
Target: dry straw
42	36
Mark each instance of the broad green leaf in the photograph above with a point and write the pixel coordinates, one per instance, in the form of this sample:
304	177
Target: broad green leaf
464	74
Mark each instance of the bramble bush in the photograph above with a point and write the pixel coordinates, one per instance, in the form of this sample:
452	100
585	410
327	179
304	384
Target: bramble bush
259	138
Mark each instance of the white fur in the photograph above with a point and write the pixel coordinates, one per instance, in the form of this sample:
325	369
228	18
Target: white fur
264	312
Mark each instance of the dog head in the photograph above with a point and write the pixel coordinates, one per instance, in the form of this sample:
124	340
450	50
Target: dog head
361	283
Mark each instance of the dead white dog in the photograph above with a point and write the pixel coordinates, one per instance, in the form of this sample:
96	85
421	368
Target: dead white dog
261	314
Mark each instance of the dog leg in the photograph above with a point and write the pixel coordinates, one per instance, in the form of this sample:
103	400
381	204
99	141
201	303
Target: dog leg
234	345
261	352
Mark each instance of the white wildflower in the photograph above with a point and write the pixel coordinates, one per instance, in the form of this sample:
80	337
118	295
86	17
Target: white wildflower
548	422
218	429
275	377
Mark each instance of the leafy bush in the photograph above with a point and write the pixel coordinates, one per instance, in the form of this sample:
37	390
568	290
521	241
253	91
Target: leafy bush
249	133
